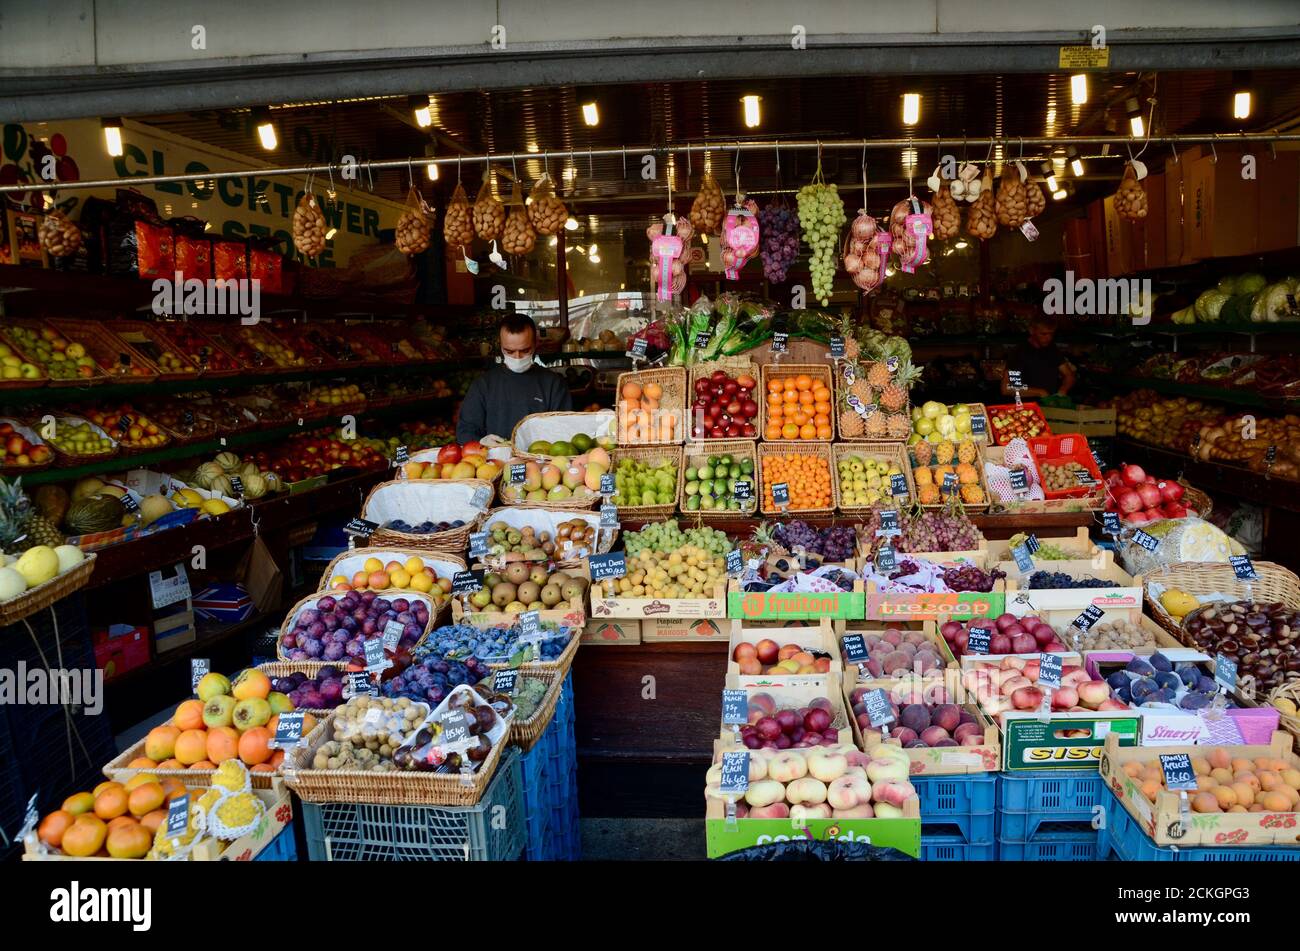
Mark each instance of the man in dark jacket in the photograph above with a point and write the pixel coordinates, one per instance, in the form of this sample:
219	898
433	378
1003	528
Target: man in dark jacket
513	389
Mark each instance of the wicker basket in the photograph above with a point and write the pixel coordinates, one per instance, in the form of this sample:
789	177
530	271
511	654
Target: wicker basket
800	448
732	366
118	769
561	664
100	342
780	371
389	593
1196	500
570	424
22	384
386	555
43	595
1288	691
386	789
892	452
137	333
439	498
34	323
1275	583
547	518
283	668
171	332
33	437
81	459
525	733
744	448
841	397
673	402
978	465
650	454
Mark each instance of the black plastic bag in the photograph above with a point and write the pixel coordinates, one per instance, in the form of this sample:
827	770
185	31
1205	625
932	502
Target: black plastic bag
806	850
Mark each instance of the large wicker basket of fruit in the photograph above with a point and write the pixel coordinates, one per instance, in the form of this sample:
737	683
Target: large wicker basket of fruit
428	514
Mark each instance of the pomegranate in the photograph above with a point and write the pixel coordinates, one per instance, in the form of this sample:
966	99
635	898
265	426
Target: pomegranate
1128	501
1149	494
1170	491
1132	475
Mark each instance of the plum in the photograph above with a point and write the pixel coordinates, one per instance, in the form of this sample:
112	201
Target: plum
333	651
311	615
400	604
331	691
905	735
326	603
916	717
313	647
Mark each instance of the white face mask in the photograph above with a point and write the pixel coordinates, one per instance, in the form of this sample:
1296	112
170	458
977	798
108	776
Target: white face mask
519	364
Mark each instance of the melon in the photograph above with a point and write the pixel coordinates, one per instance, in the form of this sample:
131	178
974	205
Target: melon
37	565
69	556
96	513
86	487
228	461
205	473
12	584
154	507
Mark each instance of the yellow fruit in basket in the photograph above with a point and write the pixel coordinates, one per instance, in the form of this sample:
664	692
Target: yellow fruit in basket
421	582
371	565
1178	603
214	507
414	565
1285	707
37	565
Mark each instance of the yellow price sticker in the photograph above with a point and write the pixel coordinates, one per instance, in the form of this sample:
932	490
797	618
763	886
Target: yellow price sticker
1083	57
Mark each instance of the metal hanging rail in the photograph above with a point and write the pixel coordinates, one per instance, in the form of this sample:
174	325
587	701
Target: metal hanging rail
1228	138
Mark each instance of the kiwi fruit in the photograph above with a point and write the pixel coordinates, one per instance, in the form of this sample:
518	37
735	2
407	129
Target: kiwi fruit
528	592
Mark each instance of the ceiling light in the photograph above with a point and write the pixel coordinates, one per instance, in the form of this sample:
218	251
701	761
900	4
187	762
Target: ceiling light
265	128
1241	104
430	169
590	114
961	244
705	239
911	108
1079	88
581	292
578	248
1076	163
1051	116
594	259
420	109
1134	111
1059	194
113	136
752	114
570	224
622	287
532	147
331	233
1049	176
519	291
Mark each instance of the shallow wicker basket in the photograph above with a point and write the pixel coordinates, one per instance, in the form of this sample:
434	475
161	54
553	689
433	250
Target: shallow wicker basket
570	424
525	733
30	434
283	668
560	664
779	371
386	555
1288	691
799	448
1275	583
673	382
732	366
583	503
650	454
1197	500
430	498
841	397
118	769
389	593
43	595
396	788
744	448
547	518
889	452
81	459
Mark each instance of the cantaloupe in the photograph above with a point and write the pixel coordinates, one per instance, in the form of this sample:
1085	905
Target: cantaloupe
153	507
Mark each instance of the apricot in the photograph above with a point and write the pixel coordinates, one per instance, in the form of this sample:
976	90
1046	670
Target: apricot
1206	783
1238	808
1250	779
1132	770
111	803
1150	788
1152	774
160	742
139	779
1205	802
1219	758
1291	777
1200	766
141	762
172	787
1226	796
1244	792
1222	775
1269	780
1263	762
223	744
78	803
203	764
1275	802
188	716
129	842
1255	807
1242	765
153	820
191	746
53	826
85	836
107	784
1277	765
146	798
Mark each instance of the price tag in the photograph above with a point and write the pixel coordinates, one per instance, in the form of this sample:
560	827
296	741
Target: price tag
898	484
1179	774
1270	455
735	563
359	684
187	419
178	813
850	376
124	423
1033	544
638	349
1243	568
1024	561
466	582
855	649
1049	670
288	730
481	497
402	455
1090	616
735	707
612	565
1015	380
889	523
504	680
837	347
780	342
455	731
375	659
891	364
702	340
744	491
166	591
781	494
977	640
360	527
1019	480
392	635
735	772
518	473
237	486
979	425
1225	672
530	625
879	710
200	667
886	559
1028	230
478	544
1096	458
949	483
130	504
609	515
1148	542
1084	478
1110	523
607	486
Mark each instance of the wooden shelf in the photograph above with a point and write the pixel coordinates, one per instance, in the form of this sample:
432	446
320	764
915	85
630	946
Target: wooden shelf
1214	477
993	526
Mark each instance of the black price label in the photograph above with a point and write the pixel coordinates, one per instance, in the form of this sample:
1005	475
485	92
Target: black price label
481	497
607	486
979	425
702	340
178	814
735	563
478	544
837	347
1225	672
1110	523
392	635
466	582
124	423
1015	380
780	342
237	486
530	625
288	730
1019	480
1243	568
744	491
1096	458
735	707
199	668
1032	544
855	649
403	455
612	565
879	710
609	515
455	729
360	684
360	527
374	654
1270	455
518	473
1024	560
889	523
638	348
886	559
130	504
503	680
891	364
977	640
204	355
1084	478
1149	542
1090	616
1049	670
780	494
898	484
1179	772
949	483
187	419
735	772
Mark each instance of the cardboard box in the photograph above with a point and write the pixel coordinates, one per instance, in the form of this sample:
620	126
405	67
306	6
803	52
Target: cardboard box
1162	819
1221	214
800	606
120	648
667	630
1151	250
924	606
173	627
1087	420
612	632
1279	215
817	639
1119	241
1060	606
658	608
1064	740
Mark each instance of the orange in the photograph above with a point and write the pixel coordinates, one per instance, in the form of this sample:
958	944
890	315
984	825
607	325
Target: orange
653	391
799	418
806	398
141	762
789	431
171	764
803	382
129	842
790	395
773	433
203	764
223	744
775	386
146	798
807	430
631	390
191	746
824	431
822	408
153	820
188	716
53	827
172	787
85	836
111	803
252	745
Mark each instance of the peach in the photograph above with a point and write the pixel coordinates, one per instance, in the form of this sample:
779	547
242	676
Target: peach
801	812
1205	802
895	792
860	811
1219	758
847	792
787	767
776	810
827	767
807	790
765	793
885	810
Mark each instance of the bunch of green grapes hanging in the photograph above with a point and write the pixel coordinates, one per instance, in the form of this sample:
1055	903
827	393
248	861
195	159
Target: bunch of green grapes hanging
821	215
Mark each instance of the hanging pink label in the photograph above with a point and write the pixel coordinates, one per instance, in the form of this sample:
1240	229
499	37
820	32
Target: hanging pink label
667	248
1029	231
740	238
922	227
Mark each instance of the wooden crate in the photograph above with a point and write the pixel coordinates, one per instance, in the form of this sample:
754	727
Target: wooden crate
1060	606
743	448
816	637
985	757
657	608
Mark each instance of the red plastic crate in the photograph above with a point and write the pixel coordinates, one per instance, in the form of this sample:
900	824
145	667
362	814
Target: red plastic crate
1070	447
1001	439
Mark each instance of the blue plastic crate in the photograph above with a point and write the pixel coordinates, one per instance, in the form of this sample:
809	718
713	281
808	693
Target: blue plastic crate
966	803
1065	845
280	849
1028	800
1124	837
954	848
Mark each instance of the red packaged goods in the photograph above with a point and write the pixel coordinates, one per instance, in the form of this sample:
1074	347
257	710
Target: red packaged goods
192	249
264	264
230	260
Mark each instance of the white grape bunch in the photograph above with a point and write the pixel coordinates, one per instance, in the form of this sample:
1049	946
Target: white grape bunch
821	215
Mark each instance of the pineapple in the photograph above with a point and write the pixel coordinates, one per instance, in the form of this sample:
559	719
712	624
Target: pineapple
852	349
924	452
898	425
966	451
851	425
878	374
876	427
893	394
862	390
944	452
21	527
